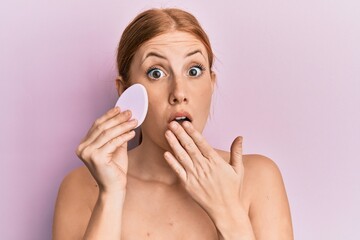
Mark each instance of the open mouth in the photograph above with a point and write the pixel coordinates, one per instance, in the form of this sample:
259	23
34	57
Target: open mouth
182	119
180	116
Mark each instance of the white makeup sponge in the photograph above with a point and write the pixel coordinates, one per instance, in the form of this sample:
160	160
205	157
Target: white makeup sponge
135	99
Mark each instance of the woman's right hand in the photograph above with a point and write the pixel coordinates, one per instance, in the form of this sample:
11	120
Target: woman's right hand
104	149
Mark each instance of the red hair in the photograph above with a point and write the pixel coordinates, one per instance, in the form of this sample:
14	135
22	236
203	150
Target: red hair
152	23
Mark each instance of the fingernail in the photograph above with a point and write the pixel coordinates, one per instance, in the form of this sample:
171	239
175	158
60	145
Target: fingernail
167	155
167	133
186	124
174	125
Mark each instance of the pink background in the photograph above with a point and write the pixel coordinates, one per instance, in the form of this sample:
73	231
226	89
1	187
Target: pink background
288	81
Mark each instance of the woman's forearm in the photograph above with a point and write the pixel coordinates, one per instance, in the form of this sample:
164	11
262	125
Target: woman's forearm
234	224
106	218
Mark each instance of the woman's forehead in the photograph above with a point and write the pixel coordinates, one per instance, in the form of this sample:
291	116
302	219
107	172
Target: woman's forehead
172	42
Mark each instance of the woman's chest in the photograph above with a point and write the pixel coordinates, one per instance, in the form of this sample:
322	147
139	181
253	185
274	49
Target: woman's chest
165	215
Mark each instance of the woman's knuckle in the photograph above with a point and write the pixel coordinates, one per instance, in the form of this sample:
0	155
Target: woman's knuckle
96	122
120	139
78	151
188	146
120	116
193	151
94	156
182	157
86	153
99	127
105	133
114	141
125	127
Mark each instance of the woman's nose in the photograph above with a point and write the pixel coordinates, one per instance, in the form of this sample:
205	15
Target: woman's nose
178	93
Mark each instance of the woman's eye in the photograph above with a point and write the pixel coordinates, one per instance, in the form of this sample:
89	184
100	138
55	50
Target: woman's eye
195	71
155	73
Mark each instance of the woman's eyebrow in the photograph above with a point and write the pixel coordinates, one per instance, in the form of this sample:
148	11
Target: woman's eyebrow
152	54
194	52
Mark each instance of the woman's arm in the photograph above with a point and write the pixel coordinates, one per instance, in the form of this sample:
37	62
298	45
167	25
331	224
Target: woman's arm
81	212
104	153
106	218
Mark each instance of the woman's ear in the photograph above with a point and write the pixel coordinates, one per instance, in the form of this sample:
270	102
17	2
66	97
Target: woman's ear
213	80
120	85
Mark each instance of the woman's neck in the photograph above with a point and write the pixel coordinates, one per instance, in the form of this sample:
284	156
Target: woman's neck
147	163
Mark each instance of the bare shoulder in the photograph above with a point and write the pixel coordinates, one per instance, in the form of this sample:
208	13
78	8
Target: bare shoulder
260	171
261	174
262	178
261	167
79	176
265	197
79	182
269	207
76	197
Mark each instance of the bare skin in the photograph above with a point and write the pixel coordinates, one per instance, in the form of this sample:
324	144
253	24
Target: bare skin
174	185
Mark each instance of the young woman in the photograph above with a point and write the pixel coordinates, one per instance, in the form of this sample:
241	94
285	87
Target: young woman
174	185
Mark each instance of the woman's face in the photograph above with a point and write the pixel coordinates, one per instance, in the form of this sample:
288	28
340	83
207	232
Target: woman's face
174	68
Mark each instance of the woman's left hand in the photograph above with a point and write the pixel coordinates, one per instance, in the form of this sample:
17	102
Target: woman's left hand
211	181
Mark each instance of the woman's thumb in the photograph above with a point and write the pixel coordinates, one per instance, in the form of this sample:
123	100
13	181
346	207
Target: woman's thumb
236	154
